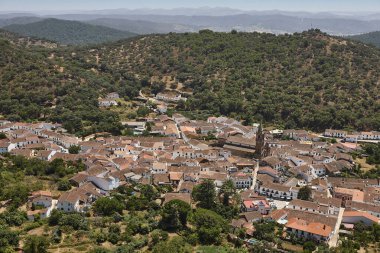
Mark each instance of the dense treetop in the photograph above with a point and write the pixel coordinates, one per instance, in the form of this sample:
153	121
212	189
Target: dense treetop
369	38
37	85
307	79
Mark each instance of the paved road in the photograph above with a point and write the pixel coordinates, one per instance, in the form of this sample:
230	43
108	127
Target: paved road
254	176
334	240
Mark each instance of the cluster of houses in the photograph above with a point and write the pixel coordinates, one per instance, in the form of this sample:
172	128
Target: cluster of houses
178	153
352	136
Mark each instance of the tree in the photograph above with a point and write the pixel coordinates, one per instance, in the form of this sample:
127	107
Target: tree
2	136
74	149
157	87
305	193
205	194
265	231
142	111
55	217
210	226
157	236
227	190
148	192
174	214
36	244
309	247
108	206
75	220
13	217
64	185
8	238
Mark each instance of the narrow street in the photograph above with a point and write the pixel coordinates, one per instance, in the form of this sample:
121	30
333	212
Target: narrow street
254	176
334	240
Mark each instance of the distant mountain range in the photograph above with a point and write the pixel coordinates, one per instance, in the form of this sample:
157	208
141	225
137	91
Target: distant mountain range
18	20
147	21
141	26
66	32
372	38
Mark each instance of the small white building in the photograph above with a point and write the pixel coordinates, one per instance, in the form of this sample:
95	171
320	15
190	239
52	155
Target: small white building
241	180
105	183
370	135
107	102
169	97
6	146
335	133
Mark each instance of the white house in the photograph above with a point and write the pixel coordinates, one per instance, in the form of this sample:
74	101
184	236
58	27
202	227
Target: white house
370	135
71	201
78	200
297	161
107	102
241	180
353	217
261	206
105	183
365	207
6	146
170	97
317	231
159	168
319	169
278	191
335	133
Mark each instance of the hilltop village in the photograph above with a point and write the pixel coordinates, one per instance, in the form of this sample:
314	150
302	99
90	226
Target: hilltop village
291	177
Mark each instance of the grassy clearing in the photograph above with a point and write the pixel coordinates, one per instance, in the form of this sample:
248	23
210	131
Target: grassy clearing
291	247
364	165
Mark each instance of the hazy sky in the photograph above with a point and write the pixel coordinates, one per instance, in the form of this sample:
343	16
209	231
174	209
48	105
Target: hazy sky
290	5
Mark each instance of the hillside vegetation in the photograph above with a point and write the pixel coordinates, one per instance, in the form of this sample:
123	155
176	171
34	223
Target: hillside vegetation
369	38
37	85
68	32
308	80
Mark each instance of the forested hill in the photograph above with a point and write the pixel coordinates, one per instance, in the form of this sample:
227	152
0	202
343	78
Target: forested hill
37	85
369	38
68	32
26	41
308	80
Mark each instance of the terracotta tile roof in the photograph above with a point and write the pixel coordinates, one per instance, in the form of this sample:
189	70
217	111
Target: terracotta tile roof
353	205
312	217
161	178
96	170
79	178
249	216
188	185
361	214
357	195
315	228
175	176
328	201
278	214
41	193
